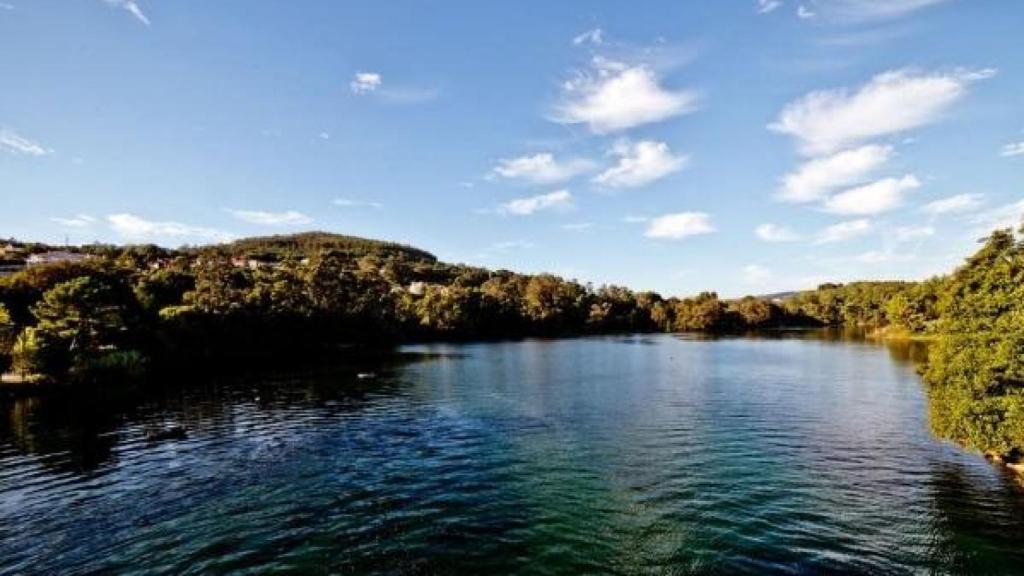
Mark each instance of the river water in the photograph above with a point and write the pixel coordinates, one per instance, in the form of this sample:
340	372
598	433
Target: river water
635	454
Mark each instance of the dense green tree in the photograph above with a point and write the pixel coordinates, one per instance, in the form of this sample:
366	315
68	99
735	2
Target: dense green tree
703	312
164	287
757	313
7	337
975	372
85	315
554	304
40	352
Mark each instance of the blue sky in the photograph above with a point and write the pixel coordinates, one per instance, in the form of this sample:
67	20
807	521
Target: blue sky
743	146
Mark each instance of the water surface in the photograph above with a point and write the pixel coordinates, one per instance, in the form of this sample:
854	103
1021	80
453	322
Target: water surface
640	454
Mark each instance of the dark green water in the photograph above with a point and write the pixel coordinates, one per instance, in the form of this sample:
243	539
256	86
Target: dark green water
605	455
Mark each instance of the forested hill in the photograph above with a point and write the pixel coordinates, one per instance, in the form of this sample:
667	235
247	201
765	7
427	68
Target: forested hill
307	244
113	309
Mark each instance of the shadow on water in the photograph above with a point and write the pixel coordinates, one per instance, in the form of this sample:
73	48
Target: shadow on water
76	430
914	351
978	523
780	452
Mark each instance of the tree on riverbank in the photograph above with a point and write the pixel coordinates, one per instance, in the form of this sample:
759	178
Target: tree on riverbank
7	336
308	294
975	372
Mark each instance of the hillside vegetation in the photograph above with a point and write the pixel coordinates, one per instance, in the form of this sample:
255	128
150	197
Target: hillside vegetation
130	308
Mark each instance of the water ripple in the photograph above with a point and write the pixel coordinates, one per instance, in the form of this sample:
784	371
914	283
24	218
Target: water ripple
542	457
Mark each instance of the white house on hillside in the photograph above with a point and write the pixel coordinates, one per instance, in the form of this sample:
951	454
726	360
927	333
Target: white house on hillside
53	257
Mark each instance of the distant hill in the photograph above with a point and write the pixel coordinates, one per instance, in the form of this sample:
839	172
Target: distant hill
779	295
308	243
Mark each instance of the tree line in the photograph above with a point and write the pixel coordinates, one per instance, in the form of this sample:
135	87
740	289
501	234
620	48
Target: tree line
130	308
307	294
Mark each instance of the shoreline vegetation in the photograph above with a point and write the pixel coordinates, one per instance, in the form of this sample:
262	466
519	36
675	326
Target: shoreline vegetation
101	313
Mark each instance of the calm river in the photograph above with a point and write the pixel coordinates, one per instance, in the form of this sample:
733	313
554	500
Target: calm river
640	454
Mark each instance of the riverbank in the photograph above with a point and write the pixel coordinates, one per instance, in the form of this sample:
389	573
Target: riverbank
1014	466
893	333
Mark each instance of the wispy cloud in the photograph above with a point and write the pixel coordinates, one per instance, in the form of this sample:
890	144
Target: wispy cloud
864	10
953	204
679	225
130	6
883	257
756	275
814	179
287	218
1013	149
578	226
365	82
77	221
826	121
509	245
775	233
805	13
874	198
1006	216
909	233
615	96
843	231
594	36
16	144
559	200
767	6
640	163
542	168
350	203
137	228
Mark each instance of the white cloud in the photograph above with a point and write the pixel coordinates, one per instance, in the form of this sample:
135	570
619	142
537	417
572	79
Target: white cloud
15	144
77	221
756	274
954	204
892	102
1008	216
365	82
804	13
641	163
287	218
6	6
861	10
843	231
594	36
578	226
557	200
908	233
1014	149
882	257
766	6
507	245
618	96
325	136
874	198
131	7
775	233
349	203
815	178
542	168
135	228
679	225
